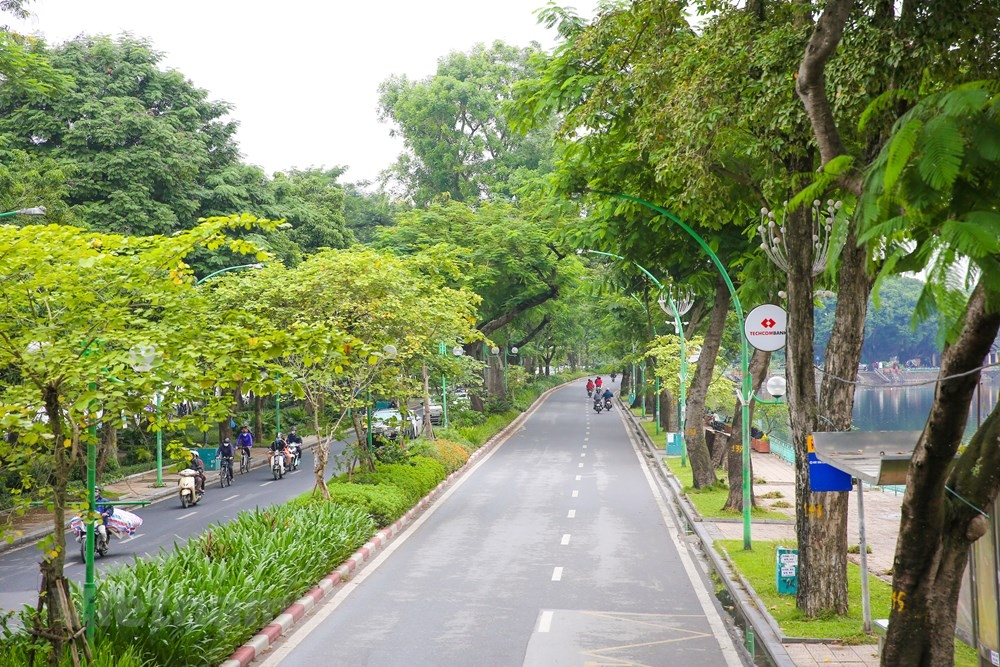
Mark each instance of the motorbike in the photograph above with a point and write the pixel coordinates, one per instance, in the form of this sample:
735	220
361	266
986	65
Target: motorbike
102	538
187	488
590	393
598	405
295	450
607	403
278	464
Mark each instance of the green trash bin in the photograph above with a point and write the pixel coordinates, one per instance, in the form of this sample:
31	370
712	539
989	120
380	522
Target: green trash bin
786	571
208	458
675	446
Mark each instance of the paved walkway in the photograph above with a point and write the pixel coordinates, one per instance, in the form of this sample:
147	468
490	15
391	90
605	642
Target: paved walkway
882	527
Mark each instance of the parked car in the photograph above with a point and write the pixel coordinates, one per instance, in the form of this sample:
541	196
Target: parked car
388	423
436	413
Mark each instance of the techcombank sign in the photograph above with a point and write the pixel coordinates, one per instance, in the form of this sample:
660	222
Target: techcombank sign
765	327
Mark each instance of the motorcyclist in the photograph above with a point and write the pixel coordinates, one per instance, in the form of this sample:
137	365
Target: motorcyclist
198	466
607	396
295	442
245	440
590	387
104	508
226	451
597	384
281	445
613	376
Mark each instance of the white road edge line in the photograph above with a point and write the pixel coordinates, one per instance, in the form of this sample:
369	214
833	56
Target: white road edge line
545	622
575	494
571	514
323	610
557	574
230	498
565	539
579	478
184	516
711	612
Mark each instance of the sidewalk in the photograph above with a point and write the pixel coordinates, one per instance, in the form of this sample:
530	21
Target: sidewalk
882	514
881	529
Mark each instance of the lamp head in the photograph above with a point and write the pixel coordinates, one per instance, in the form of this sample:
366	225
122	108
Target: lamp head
776	386
513	350
457	351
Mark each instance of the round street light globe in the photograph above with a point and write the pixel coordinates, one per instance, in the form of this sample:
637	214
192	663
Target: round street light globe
513	350
457	351
390	351
776	386
495	350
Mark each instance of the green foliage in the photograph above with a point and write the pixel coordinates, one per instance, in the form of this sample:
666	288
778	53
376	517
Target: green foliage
415	479
193	605
139	141
940	169
457	138
384	503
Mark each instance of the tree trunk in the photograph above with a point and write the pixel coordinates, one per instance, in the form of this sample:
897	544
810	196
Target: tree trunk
258	418
59	624
494	376
759	362
701	463
937	528
668	411
321	453
107	449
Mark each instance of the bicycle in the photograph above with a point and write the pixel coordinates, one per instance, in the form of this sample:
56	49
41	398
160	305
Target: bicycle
244	460
226	472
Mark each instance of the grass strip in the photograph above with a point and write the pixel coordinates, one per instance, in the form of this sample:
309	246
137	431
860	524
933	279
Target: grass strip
709	500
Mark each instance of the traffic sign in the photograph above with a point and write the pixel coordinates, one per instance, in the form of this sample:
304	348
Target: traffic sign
765	327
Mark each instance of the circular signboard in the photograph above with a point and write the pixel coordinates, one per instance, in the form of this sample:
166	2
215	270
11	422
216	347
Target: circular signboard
765	327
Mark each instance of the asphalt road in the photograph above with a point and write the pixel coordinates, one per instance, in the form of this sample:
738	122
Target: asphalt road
558	548
164	523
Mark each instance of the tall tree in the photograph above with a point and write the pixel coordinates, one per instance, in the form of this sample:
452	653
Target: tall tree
138	141
78	306
933	198
458	141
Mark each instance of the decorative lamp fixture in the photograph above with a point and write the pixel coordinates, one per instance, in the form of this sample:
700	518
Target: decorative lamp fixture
773	242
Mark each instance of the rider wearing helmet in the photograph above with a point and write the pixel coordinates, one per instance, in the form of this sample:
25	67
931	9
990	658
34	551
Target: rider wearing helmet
226	451
245	440
281	445
295	442
104	508
198	466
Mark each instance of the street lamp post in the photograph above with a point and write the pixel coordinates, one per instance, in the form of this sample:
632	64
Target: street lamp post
457	351
513	351
746	390
34	210
678	311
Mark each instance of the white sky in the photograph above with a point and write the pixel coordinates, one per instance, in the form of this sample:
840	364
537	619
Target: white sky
302	75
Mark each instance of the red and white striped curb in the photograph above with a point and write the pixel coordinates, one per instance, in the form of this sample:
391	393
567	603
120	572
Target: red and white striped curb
266	638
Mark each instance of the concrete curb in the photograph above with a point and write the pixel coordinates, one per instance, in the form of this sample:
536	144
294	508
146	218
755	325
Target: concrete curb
263	640
749	606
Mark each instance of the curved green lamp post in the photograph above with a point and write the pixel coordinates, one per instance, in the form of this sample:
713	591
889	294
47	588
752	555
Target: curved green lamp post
665	299
34	210
745	394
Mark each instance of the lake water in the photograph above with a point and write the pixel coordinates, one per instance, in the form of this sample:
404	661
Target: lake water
905	408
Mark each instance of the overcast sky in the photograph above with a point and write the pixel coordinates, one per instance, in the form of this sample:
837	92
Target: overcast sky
302	75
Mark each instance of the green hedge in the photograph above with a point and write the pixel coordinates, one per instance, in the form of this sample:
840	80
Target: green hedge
384	503
415	479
